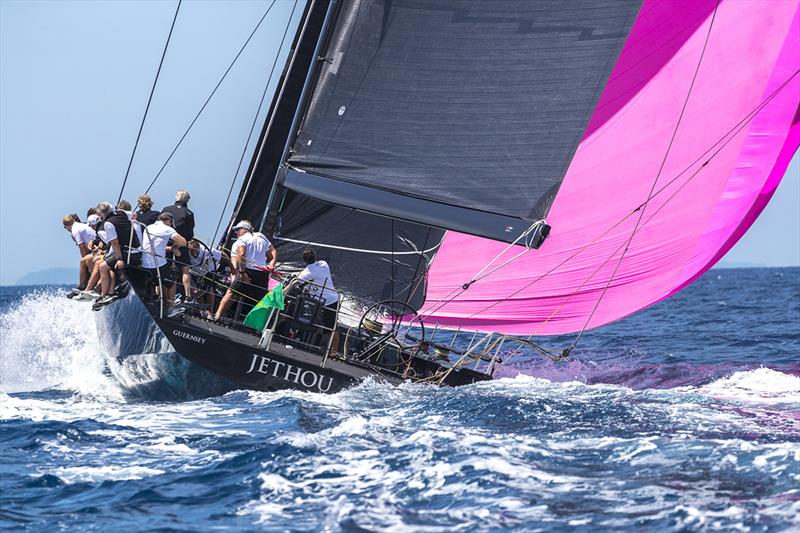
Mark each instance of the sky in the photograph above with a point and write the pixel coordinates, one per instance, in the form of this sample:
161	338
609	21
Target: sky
74	81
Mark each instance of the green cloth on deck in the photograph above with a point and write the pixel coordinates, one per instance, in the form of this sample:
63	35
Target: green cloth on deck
257	318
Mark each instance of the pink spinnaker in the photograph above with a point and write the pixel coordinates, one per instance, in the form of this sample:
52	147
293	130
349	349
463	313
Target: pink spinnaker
741	116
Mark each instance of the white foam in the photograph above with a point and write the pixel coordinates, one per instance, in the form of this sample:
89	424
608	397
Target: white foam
762	385
78	474
48	341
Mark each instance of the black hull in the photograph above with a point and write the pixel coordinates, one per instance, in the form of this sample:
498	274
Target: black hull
255	368
234	354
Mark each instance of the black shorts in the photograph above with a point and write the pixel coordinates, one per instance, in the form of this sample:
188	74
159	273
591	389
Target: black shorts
253	290
111	259
329	315
135	259
164	272
258	281
207	282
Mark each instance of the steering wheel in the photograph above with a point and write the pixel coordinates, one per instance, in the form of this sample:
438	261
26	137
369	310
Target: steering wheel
392	319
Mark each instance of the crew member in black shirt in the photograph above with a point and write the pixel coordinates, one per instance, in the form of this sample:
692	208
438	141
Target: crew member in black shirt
124	244
183	222
144	212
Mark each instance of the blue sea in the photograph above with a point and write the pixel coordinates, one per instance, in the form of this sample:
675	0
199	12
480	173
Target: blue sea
684	417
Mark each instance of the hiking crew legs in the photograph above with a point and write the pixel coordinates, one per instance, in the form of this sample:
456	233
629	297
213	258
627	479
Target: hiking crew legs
249	291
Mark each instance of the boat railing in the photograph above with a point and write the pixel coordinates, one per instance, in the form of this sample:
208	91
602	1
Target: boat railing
302	324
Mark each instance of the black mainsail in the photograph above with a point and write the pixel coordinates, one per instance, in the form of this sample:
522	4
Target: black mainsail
459	114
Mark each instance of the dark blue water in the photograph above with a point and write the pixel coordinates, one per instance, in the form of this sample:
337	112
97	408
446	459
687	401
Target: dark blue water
683	417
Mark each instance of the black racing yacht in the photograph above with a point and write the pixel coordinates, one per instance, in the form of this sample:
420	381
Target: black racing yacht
373	147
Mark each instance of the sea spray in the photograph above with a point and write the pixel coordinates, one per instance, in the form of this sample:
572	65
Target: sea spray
48	341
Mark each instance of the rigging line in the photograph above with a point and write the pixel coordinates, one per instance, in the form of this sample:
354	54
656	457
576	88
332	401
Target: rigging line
481	275
738	127
255	120
359	250
149	99
210	96
455	293
655	181
416	283
525	234
416	269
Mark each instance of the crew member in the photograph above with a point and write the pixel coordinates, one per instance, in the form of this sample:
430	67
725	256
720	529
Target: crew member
205	266
184	224
145	212
125	207
154	248
82	235
320	285
93	260
123	243
249	257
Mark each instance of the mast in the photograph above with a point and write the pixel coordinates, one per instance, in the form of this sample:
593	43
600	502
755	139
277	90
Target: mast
252	201
302	105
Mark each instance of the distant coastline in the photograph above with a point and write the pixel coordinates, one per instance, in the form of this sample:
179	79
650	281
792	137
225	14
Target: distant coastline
745	264
50	276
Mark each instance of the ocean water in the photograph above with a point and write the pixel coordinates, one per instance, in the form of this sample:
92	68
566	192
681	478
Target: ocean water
683	417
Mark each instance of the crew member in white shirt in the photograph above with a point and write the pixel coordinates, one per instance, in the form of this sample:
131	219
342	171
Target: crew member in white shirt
156	237
320	285
205	264
319	274
98	247
251	256
82	235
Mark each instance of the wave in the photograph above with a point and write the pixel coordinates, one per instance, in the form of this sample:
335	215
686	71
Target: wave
636	370
48	342
761	385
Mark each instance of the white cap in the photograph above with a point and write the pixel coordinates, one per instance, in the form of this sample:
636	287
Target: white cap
93	219
243	224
